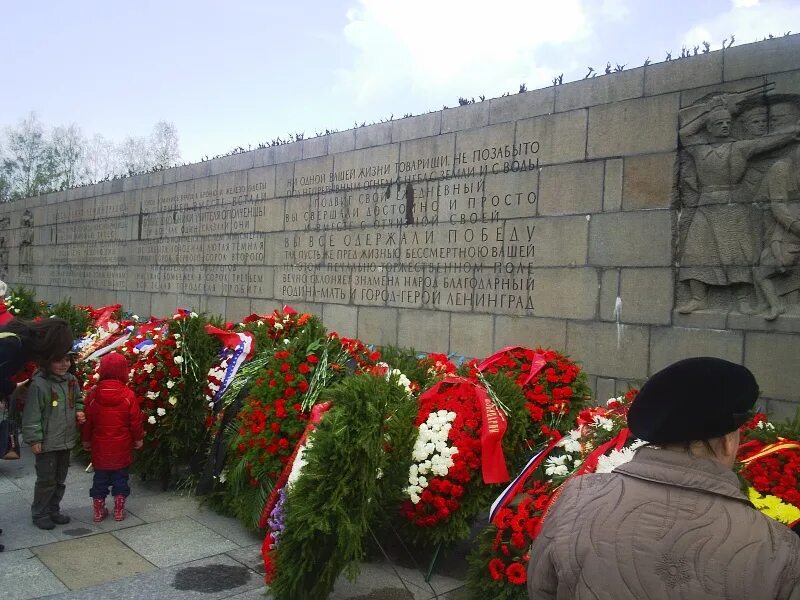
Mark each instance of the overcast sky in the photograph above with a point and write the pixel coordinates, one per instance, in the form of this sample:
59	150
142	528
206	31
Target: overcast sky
241	72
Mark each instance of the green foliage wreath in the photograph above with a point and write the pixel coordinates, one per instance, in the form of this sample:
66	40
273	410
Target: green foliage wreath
355	466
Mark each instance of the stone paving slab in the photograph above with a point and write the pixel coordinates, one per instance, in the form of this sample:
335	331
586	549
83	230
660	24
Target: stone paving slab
211	578
90	561
173	542
249	556
161	507
378	575
15	521
227	527
24	576
256	594
375	583
82	515
7	485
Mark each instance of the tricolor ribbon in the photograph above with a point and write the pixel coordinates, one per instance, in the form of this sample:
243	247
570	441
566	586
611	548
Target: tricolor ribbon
144	344
516	486
538	362
237	348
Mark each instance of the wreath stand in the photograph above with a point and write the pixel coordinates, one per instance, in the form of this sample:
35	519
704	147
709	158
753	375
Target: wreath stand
427	572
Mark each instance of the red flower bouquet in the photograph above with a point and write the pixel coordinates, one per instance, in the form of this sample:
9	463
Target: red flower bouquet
555	388
598	442
453	459
769	458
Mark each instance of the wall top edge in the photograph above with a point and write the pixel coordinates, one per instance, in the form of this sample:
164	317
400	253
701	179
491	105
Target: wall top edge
782	51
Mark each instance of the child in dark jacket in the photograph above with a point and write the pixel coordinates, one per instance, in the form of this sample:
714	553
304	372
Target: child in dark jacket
113	428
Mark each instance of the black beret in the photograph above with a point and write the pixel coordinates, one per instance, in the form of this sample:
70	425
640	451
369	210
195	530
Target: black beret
693	399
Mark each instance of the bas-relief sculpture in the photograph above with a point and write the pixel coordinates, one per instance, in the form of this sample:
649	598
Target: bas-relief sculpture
26	244
739	217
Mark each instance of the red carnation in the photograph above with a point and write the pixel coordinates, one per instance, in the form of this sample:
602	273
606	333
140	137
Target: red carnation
515	572
496	569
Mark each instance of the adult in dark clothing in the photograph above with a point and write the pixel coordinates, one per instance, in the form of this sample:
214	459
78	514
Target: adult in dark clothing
22	341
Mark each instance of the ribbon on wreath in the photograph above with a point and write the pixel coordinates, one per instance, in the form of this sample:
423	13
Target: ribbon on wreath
493	427
101	316
238	348
316	416
588	466
516	486
5	316
538	362
778	446
590	462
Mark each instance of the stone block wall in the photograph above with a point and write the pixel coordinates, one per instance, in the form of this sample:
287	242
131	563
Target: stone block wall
544	218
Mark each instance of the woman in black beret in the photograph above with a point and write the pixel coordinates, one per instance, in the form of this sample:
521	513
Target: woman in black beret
673	522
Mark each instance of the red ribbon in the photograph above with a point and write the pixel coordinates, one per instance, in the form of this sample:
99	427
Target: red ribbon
590	464
5	316
150	325
102	316
272	500
537	363
493	427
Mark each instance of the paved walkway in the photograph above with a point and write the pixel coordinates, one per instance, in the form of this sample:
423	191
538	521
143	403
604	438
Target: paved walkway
169	546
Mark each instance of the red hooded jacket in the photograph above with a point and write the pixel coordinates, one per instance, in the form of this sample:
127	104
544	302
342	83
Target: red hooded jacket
113	417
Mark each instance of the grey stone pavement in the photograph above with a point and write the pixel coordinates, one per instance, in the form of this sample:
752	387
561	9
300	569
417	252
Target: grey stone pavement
169	546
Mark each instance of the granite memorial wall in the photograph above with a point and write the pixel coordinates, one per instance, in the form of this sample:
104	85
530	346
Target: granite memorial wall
630	220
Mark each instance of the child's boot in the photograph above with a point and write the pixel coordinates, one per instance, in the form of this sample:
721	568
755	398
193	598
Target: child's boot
119	508
100	510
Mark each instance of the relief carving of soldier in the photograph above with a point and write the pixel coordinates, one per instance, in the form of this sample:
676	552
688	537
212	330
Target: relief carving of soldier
776	274
721	245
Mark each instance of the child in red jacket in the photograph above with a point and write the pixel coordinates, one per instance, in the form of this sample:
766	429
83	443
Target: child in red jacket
113	428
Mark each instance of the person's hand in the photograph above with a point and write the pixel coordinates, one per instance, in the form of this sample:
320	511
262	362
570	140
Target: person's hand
81	417
21	390
87	445
137	445
36	448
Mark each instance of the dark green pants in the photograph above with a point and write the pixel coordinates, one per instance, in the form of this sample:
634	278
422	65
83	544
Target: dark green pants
51	472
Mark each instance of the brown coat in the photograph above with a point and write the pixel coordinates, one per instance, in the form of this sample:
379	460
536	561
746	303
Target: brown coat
663	526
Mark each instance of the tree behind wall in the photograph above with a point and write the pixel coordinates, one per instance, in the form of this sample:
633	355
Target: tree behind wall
69	155
34	160
30	164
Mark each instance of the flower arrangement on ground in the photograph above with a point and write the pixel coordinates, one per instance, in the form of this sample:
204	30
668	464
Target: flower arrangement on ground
170	361
272	418
465	435
365	440
599	442
769	461
554	386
